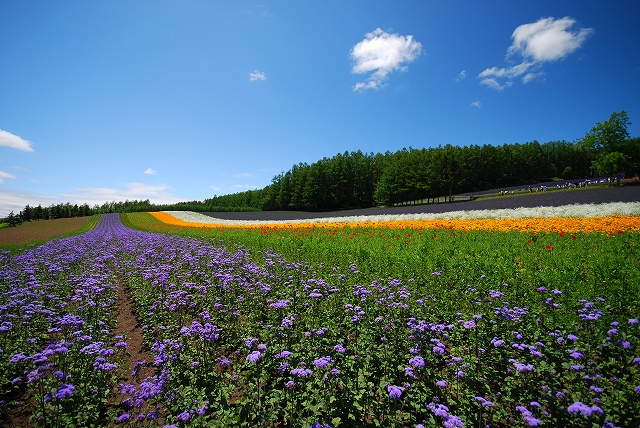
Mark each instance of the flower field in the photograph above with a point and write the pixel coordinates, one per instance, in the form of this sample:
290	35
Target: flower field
43	230
488	320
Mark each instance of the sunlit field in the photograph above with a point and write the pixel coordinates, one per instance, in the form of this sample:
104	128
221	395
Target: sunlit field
507	318
43	230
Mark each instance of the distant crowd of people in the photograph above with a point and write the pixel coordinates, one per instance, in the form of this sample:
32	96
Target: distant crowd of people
565	185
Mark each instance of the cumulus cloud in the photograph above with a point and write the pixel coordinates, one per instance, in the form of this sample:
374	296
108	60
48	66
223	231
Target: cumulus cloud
150	171
535	44
380	54
257	75
5	175
7	139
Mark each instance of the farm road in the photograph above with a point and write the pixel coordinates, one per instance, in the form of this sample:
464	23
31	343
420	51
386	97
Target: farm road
554	198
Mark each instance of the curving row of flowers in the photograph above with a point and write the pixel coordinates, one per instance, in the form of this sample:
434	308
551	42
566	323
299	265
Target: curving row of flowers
607	218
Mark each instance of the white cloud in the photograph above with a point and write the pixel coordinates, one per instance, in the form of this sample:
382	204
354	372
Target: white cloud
150	171
476	103
243	187
381	53
461	76
7	139
156	193
16	200
243	175
4	175
257	75
545	40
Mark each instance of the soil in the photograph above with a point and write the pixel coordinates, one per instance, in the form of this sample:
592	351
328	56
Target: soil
553	198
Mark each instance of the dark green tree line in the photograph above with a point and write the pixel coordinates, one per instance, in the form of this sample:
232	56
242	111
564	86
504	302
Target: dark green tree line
353	180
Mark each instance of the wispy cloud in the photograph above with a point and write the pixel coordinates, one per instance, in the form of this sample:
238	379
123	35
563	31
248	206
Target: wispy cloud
150	171
7	139
476	103
535	44
243	187
16	200
156	193
5	175
243	175
257	75
461	76
380	54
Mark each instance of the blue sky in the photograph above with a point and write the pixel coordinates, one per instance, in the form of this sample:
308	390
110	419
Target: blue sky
182	100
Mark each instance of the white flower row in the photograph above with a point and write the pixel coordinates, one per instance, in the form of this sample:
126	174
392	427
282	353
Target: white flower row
575	210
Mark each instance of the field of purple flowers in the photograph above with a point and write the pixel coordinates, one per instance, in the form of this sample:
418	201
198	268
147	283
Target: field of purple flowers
235	342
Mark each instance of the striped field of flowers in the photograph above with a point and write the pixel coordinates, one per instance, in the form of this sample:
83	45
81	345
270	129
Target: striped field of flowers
502	319
605	218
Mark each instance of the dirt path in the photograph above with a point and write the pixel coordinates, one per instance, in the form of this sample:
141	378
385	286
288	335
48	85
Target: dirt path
127	325
138	356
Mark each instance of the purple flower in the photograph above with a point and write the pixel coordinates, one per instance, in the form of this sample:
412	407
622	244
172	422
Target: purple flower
394	391
339	348
633	321
484	402
301	372
441	383
184	416
495	293
522	367
322	361
283	354
416	361
469	324
531	421
579	407
65	391
497	342
576	355
254	356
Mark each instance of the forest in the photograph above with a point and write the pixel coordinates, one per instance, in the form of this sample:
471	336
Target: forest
355	179
358	180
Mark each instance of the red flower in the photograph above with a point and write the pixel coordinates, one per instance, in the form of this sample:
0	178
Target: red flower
548	247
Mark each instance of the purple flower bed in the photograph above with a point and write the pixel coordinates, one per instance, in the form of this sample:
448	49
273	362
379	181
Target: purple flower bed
235	341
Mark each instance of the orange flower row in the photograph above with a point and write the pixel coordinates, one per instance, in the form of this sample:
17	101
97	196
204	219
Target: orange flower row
607	224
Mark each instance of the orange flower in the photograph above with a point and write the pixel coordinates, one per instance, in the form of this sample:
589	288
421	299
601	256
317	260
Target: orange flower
614	224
